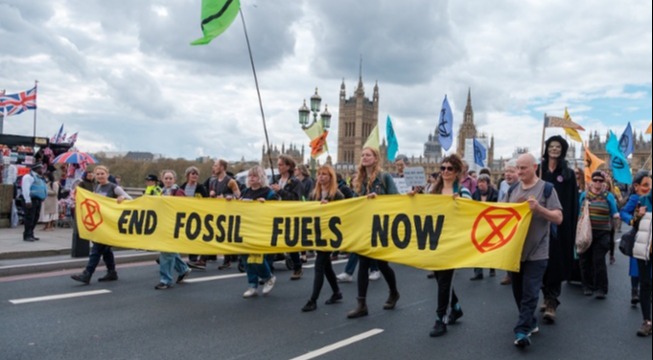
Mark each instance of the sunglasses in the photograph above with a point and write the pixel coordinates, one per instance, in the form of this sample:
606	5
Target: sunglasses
193	173
447	168
598	180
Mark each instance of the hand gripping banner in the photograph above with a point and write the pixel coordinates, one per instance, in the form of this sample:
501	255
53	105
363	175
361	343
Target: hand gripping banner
430	232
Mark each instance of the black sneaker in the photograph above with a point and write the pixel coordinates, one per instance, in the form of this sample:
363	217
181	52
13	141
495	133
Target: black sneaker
110	276
439	329
454	315
83	277
600	294
334	299
310	306
162	286
181	277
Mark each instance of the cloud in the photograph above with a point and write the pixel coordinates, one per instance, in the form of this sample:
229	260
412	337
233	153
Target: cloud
123	74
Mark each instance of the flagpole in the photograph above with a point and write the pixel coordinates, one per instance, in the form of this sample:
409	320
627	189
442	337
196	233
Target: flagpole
35	106
542	148
646	163
258	92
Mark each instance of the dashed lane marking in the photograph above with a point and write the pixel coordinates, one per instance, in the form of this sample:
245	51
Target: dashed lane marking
59	296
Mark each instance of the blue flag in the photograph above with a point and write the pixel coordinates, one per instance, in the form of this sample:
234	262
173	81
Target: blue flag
480	153
393	145
618	162
626	141
445	125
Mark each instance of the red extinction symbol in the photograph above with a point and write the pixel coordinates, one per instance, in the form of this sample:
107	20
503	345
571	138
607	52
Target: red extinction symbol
498	220
91	216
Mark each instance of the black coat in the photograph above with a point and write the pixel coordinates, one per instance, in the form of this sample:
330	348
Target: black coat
562	265
492	195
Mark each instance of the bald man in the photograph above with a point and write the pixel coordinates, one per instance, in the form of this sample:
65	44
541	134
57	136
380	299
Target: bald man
545	206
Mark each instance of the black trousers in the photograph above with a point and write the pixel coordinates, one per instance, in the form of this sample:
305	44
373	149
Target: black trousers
644	268
31	218
593	267
364	277
323	268
445	292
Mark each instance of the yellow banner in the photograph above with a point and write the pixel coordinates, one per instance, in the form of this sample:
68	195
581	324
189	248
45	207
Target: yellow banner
425	231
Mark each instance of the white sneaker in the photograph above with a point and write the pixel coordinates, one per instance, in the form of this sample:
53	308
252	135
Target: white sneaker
344	277
251	292
267	287
375	275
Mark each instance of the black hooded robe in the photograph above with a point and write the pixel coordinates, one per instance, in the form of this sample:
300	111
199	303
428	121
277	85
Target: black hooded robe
562	263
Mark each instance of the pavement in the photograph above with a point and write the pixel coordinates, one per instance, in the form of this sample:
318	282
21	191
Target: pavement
51	253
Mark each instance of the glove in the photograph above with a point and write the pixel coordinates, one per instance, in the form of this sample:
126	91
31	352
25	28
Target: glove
28	205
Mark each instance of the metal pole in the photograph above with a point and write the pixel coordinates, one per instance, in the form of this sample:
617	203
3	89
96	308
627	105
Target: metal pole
36	107
543	149
258	92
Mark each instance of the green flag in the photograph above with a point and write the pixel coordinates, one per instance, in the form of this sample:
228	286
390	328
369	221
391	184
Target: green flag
217	15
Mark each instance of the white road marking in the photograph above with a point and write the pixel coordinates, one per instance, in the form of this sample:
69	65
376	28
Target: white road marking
338	345
59	297
212	278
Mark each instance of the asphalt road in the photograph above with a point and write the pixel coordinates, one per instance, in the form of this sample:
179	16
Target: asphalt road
210	319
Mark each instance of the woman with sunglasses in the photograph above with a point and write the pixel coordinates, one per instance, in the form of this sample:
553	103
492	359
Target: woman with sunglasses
371	181
326	190
602	208
448	183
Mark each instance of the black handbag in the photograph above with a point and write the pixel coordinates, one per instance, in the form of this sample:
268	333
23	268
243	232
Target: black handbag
628	240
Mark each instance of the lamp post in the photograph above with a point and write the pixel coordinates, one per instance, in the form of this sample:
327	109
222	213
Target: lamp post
325	118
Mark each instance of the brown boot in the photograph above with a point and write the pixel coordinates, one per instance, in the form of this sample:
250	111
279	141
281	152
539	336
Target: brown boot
360	311
392	300
549	312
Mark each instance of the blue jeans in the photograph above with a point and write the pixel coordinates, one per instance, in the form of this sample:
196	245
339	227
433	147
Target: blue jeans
100	251
526	286
352	262
256	271
168	262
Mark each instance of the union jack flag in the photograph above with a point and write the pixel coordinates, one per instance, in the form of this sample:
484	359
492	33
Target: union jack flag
14	104
72	138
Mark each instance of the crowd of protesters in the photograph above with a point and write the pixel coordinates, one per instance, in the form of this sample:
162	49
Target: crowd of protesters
554	192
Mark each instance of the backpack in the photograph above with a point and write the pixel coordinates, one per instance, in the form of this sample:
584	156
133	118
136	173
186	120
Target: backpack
548	189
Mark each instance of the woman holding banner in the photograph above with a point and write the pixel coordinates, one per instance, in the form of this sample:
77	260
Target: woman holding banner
326	190
257	264
108	189
448	184
170	261
371	181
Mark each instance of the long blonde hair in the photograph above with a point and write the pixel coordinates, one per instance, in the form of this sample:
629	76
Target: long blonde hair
362	172
332	188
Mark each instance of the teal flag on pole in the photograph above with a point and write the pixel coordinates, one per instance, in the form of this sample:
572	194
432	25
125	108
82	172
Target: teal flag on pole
393	145
618	162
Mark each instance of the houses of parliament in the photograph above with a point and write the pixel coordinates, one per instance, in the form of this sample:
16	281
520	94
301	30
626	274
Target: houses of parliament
359	114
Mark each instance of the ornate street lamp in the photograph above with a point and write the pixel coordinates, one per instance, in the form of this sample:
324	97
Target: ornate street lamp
305	113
